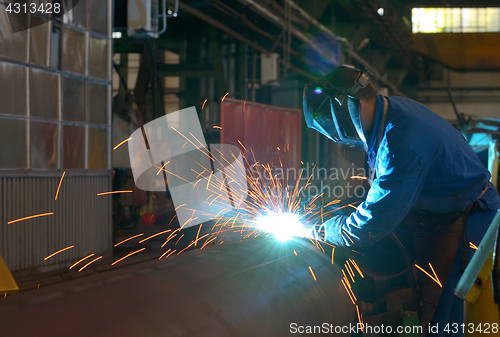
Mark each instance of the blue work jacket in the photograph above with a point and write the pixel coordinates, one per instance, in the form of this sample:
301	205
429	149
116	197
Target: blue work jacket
421	163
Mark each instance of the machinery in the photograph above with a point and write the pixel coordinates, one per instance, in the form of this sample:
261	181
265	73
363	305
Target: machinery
479	285
7	283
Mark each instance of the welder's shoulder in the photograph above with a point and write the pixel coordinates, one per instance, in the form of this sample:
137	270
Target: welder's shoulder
413	126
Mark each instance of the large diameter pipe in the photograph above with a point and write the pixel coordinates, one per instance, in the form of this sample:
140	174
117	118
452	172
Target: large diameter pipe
252	288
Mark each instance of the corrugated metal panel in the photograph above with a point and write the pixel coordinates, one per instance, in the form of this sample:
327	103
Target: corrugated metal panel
81	218
264	129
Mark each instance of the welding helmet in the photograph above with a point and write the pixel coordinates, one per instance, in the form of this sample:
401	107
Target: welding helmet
334	110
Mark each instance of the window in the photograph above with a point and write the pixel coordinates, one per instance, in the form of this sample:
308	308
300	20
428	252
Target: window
55	90
43	140
14	151
13	89
456	20
74	99
44	94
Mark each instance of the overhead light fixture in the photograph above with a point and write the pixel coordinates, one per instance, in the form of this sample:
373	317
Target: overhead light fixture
380	11
116	35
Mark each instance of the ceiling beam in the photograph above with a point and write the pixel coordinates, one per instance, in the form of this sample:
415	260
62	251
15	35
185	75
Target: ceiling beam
238	36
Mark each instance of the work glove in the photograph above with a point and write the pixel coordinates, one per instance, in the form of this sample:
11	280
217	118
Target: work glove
329	231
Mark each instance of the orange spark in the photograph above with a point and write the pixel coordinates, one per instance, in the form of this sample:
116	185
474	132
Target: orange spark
152	236
58	187
357	268
126	140
197	235
345	277
208	183
171	236
312	273
129	254
473	246
179	239
113	192
77	262
426	273
171	253
350	269
188	221
347	235
350	275
198	239
59	251
85	266
162	167
434	278
217	127
358	177
333	252
207	242
348	292
242	145
186	247
173	220
179	206
359	318
295	252
130	238
29	217
205	101
244	103
164	254
223	98
332	202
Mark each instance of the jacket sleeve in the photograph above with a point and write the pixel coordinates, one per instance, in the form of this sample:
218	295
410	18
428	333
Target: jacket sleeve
401	176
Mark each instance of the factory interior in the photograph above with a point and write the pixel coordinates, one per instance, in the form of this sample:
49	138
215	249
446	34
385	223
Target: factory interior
249	167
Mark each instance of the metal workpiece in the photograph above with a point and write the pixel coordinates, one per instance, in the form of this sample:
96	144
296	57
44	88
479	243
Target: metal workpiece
256	287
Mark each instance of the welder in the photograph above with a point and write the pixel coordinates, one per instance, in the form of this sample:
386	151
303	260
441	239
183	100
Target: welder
425	180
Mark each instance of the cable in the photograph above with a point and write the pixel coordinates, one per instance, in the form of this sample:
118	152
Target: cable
409	267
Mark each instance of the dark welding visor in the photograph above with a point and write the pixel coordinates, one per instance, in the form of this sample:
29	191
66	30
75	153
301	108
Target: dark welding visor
335	117
334	112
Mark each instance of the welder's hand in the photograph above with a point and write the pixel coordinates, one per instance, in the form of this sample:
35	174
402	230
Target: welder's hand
329	231
317	232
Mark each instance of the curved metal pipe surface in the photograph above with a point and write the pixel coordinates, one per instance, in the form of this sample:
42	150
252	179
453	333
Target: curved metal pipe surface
252	288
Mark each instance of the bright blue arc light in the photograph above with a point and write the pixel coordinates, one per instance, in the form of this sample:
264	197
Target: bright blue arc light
284	226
